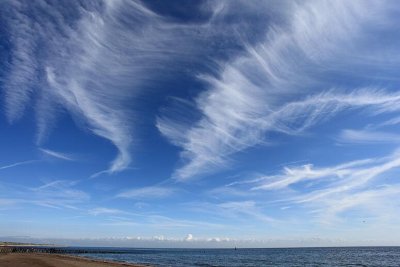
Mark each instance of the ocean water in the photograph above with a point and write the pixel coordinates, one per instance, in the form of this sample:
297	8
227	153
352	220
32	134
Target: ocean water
349	256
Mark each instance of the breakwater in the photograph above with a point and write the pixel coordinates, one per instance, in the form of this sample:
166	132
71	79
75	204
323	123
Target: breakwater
59	250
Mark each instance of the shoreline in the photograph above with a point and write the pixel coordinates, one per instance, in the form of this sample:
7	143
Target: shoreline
36	259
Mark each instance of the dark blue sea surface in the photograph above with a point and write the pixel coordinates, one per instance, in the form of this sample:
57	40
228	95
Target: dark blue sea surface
344	256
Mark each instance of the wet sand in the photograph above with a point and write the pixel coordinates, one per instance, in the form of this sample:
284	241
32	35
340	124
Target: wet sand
54	260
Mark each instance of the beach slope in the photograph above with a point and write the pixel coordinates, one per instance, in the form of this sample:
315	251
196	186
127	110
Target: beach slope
54	260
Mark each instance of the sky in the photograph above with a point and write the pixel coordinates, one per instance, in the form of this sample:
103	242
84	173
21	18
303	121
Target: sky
200	123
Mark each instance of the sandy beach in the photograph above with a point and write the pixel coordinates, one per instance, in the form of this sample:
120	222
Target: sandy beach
54	260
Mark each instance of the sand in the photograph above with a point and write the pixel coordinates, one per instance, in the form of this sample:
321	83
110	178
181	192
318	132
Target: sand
54	260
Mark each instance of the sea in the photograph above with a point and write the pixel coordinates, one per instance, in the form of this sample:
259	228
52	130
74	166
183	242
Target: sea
335	256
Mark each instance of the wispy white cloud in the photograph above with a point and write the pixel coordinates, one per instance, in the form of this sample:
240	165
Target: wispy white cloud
342	177
168	222
246	208
378	203
60	194
94	64
17	164
148	192
56	154
367	137
392	121
276	85
207	146
293	175
366	187
106	211
233	212
57	194
54	184
158	221
7	202
358	179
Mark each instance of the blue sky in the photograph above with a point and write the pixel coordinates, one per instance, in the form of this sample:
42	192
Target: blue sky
209	123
